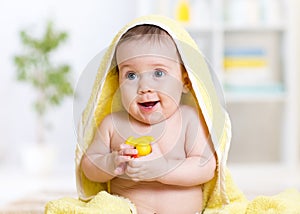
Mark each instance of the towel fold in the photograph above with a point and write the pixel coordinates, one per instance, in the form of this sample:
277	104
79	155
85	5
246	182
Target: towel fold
102	203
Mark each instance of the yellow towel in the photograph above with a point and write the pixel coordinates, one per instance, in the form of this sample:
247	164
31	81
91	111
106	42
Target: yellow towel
102	203
221	195
101	103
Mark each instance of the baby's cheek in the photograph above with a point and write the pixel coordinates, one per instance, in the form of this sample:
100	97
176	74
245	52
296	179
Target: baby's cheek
128	97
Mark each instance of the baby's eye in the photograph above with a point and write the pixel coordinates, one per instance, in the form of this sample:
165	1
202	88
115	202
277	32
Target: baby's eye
131	75
159	73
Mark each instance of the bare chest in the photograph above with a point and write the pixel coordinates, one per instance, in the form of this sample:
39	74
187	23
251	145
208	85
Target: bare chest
169	136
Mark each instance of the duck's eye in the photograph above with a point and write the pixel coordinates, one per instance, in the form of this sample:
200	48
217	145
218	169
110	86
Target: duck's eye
159	73
131	75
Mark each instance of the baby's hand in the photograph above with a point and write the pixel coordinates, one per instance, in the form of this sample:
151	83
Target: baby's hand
122	157
147	168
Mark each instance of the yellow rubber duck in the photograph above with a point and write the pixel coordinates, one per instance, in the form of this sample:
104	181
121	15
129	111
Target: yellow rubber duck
141	144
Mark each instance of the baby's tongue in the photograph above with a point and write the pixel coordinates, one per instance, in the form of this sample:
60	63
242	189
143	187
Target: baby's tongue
149	104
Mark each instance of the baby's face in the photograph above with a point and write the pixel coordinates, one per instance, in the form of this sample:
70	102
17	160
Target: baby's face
150	77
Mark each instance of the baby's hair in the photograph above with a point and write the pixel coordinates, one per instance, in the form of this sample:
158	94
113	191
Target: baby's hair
145	29
151	33
148	32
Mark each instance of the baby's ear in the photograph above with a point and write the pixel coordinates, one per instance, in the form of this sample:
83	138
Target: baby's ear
186	83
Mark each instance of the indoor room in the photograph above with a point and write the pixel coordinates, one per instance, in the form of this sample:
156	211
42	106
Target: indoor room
252	48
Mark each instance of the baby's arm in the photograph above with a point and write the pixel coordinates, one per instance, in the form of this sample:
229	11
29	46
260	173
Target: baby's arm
99	163
199	166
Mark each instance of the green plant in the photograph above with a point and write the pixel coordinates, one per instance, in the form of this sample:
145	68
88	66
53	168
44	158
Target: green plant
50	80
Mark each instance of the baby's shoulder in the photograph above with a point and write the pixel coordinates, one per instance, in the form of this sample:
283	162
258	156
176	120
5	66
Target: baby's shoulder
188	111
190	115
114	118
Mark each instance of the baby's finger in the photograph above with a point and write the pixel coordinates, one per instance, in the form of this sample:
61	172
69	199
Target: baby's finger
130	152
125	146
127	150
132	171
120	169
135	163
121	159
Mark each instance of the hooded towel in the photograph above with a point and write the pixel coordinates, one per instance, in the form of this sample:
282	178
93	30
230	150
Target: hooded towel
220	195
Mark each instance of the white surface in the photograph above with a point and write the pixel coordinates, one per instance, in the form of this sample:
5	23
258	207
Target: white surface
264	179
16	184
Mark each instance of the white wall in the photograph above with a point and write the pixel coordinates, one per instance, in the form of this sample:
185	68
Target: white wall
296	23
91	25
295	54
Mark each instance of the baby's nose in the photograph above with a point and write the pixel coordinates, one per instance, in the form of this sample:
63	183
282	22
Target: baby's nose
145	85
143	89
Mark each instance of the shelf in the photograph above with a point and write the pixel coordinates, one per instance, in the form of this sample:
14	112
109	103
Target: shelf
198	29
227	28
233	97
259	93
279	27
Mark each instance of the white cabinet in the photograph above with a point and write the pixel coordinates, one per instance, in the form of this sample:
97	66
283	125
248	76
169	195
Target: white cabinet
247	44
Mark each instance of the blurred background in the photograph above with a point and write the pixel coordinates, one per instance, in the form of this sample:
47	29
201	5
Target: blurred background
252	45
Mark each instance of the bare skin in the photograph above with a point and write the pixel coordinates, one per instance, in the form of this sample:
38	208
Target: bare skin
169	179
172	173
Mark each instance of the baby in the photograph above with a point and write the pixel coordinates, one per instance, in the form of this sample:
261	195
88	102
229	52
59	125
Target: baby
152	81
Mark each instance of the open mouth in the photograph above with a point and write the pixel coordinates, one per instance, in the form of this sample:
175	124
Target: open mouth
149	105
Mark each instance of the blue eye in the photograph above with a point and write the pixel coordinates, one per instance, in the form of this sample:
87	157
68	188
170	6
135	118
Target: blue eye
159	73
131	75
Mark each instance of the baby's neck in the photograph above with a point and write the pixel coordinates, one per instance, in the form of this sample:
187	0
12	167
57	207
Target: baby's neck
146	129
156	130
